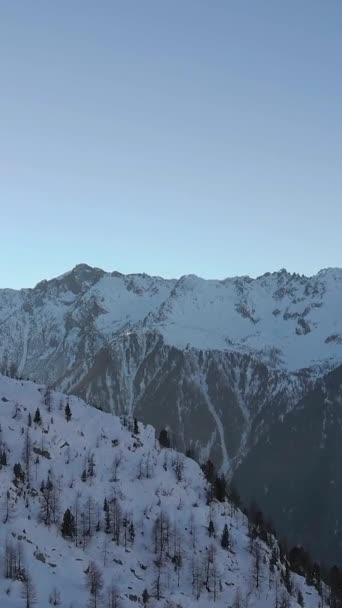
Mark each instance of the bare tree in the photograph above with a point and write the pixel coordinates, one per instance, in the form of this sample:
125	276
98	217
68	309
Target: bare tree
112	597
285	601
77	515
89	510
105	550
115	515
178	553
7	507
55	597
237	602
27	452
208	562
257	564
94	584
47	399
9	559
157	583
161	534
49	501
115	466
28	592
215	579
19	561
197	577
178	466
91	465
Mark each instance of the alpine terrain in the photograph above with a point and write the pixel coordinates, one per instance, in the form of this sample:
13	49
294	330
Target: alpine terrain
242	371
96	512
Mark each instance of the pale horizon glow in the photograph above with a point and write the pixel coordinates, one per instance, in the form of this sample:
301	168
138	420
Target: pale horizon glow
170	138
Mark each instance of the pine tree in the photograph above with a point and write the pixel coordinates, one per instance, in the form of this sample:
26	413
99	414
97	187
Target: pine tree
164	439
18	472
145	597
37	417
300	598
220	488
225	540
136	427
211	529
29	421
84	476
67	412
68	525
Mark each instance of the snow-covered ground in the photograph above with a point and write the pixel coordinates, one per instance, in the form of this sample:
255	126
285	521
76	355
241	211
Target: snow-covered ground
94	457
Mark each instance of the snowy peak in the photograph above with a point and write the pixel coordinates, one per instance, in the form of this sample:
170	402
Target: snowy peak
285	320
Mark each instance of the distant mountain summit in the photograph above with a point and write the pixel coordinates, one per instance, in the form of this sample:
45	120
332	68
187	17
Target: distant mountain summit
218	362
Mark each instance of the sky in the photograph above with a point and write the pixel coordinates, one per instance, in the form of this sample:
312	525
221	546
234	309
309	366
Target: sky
170	137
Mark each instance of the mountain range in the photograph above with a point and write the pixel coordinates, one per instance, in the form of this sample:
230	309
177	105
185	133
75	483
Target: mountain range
243	371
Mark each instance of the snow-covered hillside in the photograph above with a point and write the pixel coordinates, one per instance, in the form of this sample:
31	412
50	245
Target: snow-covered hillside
138	512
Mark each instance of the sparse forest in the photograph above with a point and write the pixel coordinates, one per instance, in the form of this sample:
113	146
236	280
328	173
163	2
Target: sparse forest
97	511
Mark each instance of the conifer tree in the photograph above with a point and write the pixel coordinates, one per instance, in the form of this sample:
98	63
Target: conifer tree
67	412
68	525
211	529
37	417
164	439
18	472
225	540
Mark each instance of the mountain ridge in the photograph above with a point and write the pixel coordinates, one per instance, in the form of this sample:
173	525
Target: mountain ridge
217	363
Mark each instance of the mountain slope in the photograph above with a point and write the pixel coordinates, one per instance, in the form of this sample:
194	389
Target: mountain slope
126	340
157	493
219	363
299	463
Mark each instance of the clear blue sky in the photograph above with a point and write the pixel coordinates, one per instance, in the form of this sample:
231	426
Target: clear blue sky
170	136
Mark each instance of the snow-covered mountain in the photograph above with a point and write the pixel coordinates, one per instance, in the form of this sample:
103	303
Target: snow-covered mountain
94	512
287	320
219	363
164	347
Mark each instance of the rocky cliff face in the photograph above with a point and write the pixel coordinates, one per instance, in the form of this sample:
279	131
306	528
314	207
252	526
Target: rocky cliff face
223	364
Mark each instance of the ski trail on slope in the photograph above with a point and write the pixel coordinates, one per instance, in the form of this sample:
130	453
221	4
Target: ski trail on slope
25	346
226	460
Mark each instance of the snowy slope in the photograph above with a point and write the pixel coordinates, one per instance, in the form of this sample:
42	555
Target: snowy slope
145	486
296	316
